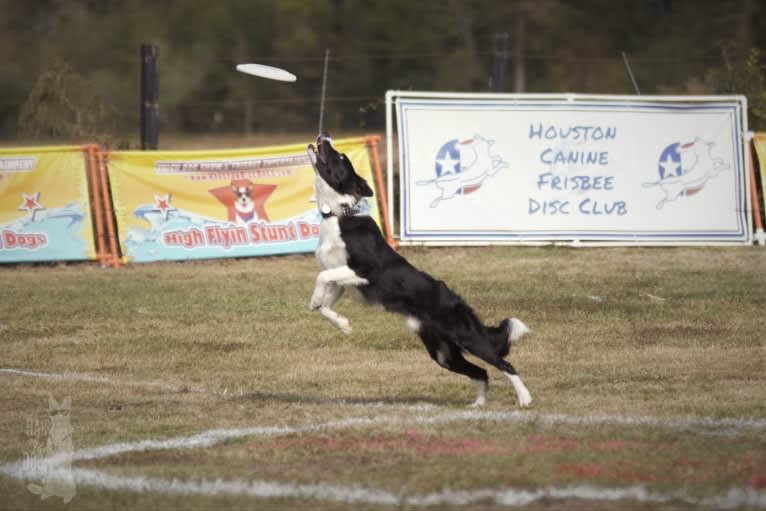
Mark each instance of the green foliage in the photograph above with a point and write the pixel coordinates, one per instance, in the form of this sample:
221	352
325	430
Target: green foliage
747	76
63	105
441	45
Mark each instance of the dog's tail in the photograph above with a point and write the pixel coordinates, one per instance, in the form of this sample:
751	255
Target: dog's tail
508	332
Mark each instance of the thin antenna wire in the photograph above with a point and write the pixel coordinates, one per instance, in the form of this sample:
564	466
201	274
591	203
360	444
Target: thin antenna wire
630	73
324	88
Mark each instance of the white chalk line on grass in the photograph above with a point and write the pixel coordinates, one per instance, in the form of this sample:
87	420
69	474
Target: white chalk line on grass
51	467
511	497
59	467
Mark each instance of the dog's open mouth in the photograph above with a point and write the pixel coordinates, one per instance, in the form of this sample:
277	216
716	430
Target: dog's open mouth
324	142
323	146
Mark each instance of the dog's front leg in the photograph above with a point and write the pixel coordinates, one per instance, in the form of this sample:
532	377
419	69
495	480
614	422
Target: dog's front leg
317	297
329	288
332	294
342	276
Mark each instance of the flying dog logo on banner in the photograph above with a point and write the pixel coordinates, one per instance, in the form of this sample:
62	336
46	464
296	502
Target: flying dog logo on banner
685	169
209	204
44	205
462	166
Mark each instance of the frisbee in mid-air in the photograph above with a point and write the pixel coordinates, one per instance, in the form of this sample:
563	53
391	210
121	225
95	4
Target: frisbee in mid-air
270	72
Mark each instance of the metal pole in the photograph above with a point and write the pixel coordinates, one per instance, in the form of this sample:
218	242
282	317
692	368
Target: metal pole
149	97
630	73
324	88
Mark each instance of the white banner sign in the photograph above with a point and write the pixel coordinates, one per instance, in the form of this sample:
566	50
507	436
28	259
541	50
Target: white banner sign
565	168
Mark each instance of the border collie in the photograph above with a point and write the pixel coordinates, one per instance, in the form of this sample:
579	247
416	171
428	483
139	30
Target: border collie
352	253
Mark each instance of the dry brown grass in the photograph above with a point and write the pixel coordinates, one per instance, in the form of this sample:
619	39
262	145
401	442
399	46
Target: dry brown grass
674	332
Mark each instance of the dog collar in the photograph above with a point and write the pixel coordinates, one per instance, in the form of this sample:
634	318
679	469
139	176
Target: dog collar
346	210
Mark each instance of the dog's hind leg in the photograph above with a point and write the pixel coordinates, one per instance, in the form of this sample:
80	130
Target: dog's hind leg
522	393
490	357
455	362
450	357
525	398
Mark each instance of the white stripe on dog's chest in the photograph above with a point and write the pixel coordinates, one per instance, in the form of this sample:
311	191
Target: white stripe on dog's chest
331	252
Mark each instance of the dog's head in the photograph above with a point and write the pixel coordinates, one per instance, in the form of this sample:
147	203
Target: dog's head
243	192
339	189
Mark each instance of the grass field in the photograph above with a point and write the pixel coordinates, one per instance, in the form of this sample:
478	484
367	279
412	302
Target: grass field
206	385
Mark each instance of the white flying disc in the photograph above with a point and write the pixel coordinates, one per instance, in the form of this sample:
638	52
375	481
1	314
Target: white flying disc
270	72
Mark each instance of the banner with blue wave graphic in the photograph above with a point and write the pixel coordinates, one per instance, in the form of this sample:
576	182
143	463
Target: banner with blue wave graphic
44	205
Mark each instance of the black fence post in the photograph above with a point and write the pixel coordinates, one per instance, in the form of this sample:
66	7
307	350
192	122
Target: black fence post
149	97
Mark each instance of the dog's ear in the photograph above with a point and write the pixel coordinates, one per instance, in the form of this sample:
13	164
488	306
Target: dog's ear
233	188
362	188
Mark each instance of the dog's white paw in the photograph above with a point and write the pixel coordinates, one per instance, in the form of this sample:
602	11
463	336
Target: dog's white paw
340	322
343	324
525	399
480	401
482	387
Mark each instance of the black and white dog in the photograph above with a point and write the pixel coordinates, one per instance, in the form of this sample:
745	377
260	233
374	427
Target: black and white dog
352	253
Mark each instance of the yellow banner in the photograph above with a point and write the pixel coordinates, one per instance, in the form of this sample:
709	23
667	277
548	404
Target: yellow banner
176	205
44	205
759	142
